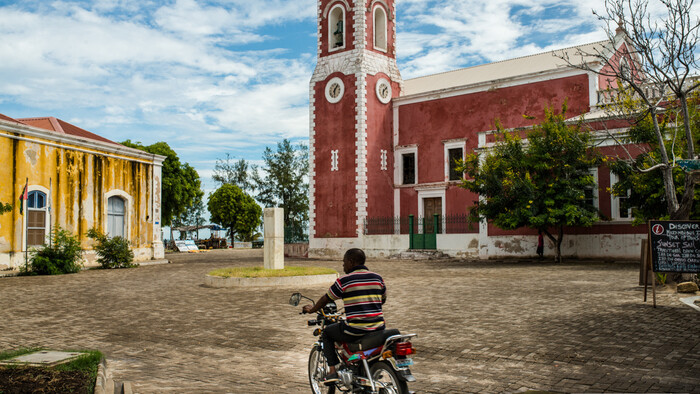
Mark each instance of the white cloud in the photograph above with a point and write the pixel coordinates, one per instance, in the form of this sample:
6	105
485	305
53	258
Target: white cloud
447	34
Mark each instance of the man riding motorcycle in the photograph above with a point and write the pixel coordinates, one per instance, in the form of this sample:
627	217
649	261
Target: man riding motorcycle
363	293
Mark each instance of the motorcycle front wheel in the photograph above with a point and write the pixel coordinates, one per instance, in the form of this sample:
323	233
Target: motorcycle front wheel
389	382
318	369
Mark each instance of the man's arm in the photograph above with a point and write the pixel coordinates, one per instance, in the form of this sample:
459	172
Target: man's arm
319	304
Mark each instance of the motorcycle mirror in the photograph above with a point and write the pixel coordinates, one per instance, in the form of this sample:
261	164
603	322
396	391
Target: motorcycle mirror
295	299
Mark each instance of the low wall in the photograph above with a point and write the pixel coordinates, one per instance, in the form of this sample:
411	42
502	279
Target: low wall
299	250
601	246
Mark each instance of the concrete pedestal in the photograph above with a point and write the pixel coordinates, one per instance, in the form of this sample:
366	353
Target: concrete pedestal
274	238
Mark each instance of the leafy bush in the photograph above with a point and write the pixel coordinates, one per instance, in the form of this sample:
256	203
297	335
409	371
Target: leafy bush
61	257
112	252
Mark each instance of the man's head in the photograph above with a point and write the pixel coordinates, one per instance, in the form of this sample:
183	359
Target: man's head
353	257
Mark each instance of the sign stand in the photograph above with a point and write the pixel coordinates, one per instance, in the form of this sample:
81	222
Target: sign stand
674	246
648	268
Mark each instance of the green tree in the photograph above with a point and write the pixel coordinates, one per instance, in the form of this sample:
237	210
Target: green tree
112	252
231	208
232	172
4	207
63	255
643	190
193	215
180	182
283	183
663	60
540	184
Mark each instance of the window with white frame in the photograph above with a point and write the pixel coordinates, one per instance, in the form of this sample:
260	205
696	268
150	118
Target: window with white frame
336	28
406	165
408	172
454	153
380	28
591	192
36	218
618	202
116	216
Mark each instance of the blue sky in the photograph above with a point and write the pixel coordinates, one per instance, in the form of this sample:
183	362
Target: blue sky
218	77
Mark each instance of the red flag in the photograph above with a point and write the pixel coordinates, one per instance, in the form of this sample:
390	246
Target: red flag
23	197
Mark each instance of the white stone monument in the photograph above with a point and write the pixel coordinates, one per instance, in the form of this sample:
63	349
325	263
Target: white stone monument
274	238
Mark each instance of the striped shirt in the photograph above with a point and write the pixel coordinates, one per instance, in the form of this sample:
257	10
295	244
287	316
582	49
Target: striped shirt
362	292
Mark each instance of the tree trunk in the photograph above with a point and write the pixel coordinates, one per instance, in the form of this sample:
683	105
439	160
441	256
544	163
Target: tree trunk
666	172
557	241
233	243
686	205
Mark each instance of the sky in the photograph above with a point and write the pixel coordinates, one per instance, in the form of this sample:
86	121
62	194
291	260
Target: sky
212	78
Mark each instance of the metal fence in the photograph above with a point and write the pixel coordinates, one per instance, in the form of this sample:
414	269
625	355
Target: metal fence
448	224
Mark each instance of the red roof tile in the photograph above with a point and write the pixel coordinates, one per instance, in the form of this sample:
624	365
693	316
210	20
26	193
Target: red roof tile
63	127
3	117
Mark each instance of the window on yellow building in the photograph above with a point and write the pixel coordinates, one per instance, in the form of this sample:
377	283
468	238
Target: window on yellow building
116	212
36	218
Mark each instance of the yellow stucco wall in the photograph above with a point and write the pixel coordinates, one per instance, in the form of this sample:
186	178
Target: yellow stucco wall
79	182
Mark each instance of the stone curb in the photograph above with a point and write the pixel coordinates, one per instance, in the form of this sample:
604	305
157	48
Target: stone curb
104	384
7	274
690	301
217	281
153	262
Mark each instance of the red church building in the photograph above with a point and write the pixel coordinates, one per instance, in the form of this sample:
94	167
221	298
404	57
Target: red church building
382	148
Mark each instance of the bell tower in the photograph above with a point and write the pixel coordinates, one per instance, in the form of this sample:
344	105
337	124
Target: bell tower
351	122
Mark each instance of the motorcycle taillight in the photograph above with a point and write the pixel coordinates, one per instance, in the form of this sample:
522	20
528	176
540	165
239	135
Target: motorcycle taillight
404	349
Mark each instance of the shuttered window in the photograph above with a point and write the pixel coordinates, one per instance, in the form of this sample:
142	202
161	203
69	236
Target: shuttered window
116	211
36	218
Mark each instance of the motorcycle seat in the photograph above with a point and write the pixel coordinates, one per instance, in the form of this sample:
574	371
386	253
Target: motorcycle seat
372	340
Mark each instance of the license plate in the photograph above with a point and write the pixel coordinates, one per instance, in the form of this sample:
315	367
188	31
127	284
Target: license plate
404	363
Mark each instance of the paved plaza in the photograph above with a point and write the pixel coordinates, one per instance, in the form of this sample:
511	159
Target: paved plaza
490	327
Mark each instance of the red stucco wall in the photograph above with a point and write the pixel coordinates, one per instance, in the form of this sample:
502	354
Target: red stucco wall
429	123
380	190
335	191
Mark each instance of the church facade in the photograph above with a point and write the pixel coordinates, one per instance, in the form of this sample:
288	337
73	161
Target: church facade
382	149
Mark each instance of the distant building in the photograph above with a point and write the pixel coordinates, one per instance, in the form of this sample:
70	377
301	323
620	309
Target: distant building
76	180
382	148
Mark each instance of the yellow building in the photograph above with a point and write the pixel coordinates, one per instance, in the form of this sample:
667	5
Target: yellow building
76	180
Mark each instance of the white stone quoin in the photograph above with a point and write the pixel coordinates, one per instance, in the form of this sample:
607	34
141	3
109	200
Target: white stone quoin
274	238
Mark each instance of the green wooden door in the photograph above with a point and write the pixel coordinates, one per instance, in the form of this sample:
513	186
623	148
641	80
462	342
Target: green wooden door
423	240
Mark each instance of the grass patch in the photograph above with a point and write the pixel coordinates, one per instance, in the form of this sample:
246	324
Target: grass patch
260	272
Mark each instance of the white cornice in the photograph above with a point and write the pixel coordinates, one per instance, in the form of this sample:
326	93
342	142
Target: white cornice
65	141
489	85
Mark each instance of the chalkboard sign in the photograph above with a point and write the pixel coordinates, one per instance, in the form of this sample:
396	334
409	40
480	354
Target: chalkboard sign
675	245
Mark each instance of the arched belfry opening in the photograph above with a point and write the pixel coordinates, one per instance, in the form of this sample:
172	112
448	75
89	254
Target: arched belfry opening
380	28
336	28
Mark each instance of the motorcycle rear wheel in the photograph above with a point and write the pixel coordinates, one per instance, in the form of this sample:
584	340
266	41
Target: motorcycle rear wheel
318	369
384	374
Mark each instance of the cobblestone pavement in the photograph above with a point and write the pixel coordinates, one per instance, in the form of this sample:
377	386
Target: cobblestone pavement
482	326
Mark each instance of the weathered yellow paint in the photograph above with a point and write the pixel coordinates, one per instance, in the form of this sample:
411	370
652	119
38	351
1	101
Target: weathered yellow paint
79	182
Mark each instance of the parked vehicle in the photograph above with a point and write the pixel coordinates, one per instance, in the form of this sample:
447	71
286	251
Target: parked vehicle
378	363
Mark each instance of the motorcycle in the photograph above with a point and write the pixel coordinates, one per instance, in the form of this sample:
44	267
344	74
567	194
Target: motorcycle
378	363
